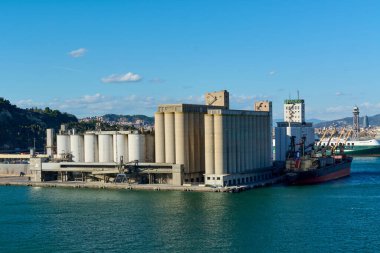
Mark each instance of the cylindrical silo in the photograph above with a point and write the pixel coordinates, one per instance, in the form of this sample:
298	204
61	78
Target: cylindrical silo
149	148
202	143
197	148
120	147
180	137
238	145
159	129
77	148
63	145
105	148
91	152
190	144
250	150
209	144
228	128
218	133
49	141
233	143
169	137
246	144
136	147
257	142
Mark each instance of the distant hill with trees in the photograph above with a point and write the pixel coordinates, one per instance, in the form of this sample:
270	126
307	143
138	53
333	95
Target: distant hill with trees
21	129
373	121
131	118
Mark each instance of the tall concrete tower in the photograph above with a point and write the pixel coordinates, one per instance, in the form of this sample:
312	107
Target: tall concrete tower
294	110
355	124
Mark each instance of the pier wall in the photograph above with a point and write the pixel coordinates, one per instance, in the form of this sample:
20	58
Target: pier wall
14	169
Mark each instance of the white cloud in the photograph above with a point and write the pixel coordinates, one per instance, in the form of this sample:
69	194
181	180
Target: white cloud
78	52
272	73
128	77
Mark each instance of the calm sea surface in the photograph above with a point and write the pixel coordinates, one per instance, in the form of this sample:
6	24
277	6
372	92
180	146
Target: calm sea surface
341	216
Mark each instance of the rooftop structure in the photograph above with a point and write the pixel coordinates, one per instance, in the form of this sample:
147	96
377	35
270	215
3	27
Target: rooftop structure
218	98
294	110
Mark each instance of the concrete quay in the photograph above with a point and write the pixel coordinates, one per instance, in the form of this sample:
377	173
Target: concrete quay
24	181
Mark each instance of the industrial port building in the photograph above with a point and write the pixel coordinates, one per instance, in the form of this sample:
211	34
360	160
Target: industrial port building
206	144
215	145
293	125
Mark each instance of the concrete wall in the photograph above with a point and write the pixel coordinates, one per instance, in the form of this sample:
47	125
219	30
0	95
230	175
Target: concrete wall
14	169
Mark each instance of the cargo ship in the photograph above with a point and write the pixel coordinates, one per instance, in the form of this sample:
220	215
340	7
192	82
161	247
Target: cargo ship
316	166
318	170
363	147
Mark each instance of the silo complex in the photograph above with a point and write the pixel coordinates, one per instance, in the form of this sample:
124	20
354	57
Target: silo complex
106	147
214	144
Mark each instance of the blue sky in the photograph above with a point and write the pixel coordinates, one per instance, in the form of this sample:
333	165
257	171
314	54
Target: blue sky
126	57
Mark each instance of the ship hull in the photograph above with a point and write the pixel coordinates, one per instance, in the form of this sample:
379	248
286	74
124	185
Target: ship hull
320	175
363	151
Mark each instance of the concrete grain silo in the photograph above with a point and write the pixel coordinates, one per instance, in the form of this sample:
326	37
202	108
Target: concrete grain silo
136	147
120	147
77	147
63	145
91	152
105	145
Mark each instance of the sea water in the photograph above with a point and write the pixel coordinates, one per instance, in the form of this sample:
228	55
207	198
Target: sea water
339	216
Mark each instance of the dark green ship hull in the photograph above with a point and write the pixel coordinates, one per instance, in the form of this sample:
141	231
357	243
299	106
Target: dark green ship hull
363	151
360	151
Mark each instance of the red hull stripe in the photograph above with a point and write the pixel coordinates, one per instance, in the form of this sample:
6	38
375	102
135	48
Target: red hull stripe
335	175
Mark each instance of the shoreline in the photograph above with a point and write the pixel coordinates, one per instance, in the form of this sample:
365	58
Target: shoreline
23	181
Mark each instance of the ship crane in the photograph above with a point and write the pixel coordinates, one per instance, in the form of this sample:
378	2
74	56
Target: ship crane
338	141
323	136
331	136
347	137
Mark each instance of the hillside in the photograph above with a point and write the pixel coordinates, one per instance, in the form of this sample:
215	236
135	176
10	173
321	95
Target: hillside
128	118
373	121
20	128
